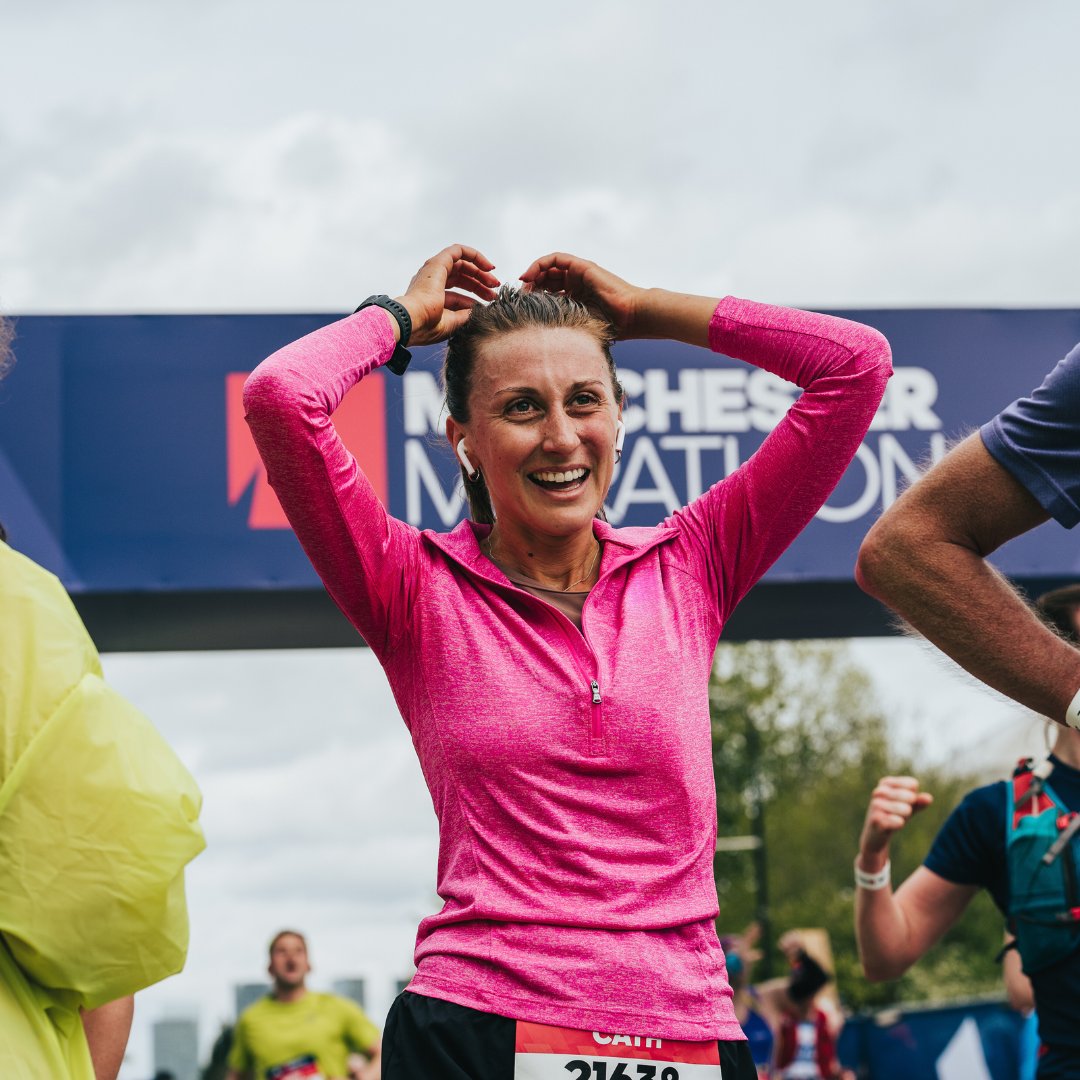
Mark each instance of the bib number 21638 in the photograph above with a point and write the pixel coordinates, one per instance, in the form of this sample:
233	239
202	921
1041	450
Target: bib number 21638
556	1053
598	1069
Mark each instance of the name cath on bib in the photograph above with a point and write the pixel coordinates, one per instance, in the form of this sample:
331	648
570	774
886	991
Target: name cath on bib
543	1052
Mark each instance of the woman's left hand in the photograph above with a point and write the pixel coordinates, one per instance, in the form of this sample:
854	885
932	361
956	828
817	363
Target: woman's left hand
617	300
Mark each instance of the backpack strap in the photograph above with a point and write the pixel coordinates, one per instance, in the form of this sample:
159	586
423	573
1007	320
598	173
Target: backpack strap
1029	791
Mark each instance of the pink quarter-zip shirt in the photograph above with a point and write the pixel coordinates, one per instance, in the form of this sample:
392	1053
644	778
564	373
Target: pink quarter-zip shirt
570	770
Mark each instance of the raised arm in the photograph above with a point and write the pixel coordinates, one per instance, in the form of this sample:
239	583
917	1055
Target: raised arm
748	520
360	552
894	930
926	558
842	367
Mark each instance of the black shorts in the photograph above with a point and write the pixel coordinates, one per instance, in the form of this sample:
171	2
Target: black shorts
429	1039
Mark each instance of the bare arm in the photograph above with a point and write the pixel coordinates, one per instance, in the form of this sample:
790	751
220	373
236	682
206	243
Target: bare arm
1017	985
107	1028
235	1074
894	930
925	558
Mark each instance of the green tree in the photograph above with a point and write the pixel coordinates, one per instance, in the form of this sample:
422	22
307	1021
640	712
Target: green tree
798	733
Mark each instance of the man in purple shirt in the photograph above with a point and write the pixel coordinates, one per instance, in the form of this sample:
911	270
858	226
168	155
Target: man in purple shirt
925	557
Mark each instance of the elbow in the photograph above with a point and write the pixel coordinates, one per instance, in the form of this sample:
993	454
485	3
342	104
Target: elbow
268	394
874	353
894	551
879	962
876	558
880	970
878	350
258	387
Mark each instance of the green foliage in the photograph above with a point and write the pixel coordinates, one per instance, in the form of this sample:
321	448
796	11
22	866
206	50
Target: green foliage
796	727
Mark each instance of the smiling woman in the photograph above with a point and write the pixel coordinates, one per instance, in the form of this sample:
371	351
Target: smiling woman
552	670
530	382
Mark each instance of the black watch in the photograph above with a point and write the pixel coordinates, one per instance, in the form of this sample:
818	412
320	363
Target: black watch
401	357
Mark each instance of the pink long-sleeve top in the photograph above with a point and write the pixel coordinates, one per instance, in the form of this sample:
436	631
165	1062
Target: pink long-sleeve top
570	770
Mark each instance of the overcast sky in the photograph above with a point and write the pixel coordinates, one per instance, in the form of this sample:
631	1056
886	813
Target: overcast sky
233	156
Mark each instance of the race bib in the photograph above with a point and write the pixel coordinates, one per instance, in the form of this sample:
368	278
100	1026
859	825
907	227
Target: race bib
301	1068
558	1053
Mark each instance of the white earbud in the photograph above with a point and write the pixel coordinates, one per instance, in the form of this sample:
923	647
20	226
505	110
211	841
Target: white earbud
620	438
463	457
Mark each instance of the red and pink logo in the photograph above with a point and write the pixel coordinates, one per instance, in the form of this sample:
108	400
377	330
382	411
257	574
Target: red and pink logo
360	421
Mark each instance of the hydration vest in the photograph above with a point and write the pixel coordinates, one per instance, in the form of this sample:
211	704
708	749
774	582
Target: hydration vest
1043	854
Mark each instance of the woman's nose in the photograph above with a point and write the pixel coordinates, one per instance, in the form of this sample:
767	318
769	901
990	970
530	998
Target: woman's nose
560	432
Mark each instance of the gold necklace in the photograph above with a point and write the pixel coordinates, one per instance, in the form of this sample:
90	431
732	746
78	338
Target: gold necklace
588	573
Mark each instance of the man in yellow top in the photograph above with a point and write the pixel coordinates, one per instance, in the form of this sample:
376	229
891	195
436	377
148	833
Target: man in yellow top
298	1034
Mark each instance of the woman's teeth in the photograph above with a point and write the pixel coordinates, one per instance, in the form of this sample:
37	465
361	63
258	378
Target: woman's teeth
553	477
560	477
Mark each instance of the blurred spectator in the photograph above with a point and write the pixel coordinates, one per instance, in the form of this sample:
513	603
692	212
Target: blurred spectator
295	1033
742	953
807	1022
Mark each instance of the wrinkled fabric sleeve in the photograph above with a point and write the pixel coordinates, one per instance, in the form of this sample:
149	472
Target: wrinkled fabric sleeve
100	818
739	527
364	556
41	1034
1037	439
970	848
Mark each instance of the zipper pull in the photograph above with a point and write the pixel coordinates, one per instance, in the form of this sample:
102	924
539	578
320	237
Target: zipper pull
595	692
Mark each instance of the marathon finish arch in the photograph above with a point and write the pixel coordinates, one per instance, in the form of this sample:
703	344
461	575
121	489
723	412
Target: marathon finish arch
127	469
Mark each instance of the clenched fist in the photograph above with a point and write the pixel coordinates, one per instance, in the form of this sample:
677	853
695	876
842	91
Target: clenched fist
894	801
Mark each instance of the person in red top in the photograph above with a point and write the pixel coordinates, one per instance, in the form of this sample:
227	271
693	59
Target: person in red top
805	1043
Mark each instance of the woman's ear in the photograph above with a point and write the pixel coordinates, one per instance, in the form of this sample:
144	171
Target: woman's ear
456	434
463	457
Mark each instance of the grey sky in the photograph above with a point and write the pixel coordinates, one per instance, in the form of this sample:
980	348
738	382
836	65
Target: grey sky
241	156
234	156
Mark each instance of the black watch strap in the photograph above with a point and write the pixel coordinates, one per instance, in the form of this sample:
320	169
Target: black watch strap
401	357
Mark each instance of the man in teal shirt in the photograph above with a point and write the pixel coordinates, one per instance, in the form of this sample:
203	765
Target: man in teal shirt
298	1034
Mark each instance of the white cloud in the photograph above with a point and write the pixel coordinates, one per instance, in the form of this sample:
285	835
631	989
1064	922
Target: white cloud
239	158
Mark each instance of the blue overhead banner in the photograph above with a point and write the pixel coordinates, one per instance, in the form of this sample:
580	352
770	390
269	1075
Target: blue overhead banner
125	464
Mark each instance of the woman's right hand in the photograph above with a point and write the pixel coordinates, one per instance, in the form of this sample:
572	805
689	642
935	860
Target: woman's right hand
435	310
895	800
616	300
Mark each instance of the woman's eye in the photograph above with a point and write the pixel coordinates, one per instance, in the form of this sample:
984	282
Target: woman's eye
584	399
520	407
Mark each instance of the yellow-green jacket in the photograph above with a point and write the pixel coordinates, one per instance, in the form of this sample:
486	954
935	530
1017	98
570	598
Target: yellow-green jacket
97	820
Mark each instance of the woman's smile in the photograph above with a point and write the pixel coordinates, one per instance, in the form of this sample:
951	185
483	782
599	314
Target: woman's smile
542	430
568	478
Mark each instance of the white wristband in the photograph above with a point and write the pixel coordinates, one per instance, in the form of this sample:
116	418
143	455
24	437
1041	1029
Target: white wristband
1072	713
873	882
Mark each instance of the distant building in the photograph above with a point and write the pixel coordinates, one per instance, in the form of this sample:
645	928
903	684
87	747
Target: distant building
248	993
176	1048
353	989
